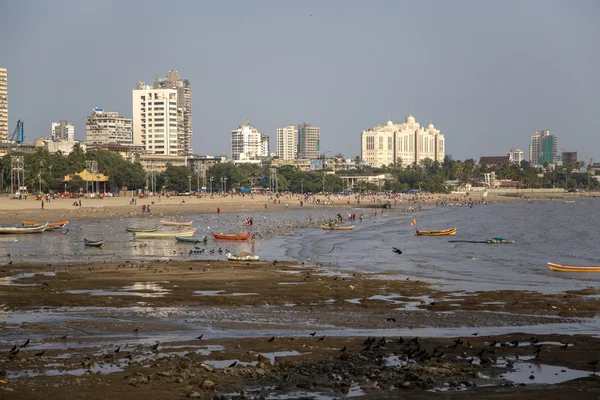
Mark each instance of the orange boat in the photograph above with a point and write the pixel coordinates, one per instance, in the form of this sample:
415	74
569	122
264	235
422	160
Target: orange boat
51	225
231	237
568	268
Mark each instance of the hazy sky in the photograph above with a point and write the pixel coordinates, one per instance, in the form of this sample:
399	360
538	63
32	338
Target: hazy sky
487	74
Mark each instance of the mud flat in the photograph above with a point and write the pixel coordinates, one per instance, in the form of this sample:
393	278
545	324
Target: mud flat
218	329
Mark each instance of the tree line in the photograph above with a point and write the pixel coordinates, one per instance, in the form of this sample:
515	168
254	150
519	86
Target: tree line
49	171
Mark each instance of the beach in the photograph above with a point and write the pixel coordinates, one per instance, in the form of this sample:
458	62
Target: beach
209	328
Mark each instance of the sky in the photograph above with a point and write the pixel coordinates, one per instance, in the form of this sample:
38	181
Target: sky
488	74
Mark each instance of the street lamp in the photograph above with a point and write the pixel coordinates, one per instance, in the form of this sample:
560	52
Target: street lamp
211	181
190	184
302	185
225	184
324	158
40	181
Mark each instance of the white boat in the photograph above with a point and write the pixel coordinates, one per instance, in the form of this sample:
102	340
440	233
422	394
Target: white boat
175	223
23	229
160	235
243	256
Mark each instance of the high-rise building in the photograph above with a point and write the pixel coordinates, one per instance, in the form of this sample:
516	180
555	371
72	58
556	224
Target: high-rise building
184	108
63	131
265	147
569	159
543	148
248	143
309	141
404	144
515	156
103	127
287	144
3	105
155	120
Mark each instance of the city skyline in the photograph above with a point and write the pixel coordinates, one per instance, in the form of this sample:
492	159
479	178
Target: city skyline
488	85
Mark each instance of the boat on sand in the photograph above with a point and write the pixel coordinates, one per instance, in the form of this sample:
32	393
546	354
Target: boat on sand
175	223
23	229
242	256
231	237
93	243
433	232
569	268
140	229
337	228
164	235
52	226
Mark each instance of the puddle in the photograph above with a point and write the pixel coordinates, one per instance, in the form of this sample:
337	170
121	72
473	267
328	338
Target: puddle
492	303
146	286
99	292
12	280
290	272
228	363
292	283
542	373
354	301
395	361
289	305
105	369
334	274
271	356
221	293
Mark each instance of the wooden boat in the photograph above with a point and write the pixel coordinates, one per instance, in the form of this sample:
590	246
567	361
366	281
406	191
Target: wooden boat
337	228
175	223
231	237
568	268
189	239
140	229
164	235
243	256
432	232
52	226
93	243
23	229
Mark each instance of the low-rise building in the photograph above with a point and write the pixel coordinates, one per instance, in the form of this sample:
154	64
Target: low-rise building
103	127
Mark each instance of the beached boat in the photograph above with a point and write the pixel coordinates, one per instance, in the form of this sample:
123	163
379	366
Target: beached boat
243	256
51	226
140	229
23	229
175	223
432	232
164	235
337	228
568	201
93	243
568	268
231	237
189	239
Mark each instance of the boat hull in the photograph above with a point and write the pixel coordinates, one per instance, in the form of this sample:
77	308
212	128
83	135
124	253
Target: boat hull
444	232
337	228
231	237
173	223
568	268
22	230
164	235
93	243
50	226
133	229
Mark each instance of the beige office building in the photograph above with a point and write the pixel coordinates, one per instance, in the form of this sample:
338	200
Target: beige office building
155	120
3	105
407	143
104	127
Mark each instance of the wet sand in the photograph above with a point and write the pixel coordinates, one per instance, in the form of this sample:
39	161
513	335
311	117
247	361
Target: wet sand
260	316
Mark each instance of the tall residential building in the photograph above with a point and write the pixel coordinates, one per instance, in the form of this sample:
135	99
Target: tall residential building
265	147
248	143
543	148
287	143
401	143
569	159
309	141
103	127
63	131
515	156
184	108
3	105
155	120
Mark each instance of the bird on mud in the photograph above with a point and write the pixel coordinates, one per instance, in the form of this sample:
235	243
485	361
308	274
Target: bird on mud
233	364
200	337
343	350
313	334
271	340
155	347
322	338
396	250
13	349
390	319
26	343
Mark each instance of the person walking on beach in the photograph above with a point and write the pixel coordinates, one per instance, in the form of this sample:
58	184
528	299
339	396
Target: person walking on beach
42	204
218	210
79	202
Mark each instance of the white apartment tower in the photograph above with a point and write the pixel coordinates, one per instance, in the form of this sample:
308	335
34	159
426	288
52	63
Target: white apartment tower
287	143
391	143
309	141
248	143
184	109
515	156
3	105
155	120
103	127
63	131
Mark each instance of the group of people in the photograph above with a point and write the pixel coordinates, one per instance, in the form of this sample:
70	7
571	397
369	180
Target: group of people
146	208
248	221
